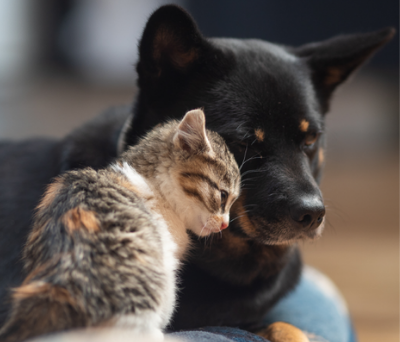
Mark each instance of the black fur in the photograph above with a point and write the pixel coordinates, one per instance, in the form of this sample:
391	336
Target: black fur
243	86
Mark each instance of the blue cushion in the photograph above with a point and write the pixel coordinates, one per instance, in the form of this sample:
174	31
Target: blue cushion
218	334
315	306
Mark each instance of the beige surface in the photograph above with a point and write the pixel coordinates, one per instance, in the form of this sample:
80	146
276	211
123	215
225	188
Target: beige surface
360	246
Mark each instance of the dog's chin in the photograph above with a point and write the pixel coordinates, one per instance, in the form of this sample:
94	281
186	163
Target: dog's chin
317	233
283	233
290	241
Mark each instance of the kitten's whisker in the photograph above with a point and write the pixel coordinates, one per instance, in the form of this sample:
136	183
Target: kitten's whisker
206	239
201	231
237	217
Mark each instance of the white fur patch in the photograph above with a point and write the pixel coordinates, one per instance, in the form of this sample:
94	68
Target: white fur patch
169	247
226	217
143	323
135	178
171	264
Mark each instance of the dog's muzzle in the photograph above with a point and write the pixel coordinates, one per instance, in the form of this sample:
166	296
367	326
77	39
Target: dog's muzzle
307	212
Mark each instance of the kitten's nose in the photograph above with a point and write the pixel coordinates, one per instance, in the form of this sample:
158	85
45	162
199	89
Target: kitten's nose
224	225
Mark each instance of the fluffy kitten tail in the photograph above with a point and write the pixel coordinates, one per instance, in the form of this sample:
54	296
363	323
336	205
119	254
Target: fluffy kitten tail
40	308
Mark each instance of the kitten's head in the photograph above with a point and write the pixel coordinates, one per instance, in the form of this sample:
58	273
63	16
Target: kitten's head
206	176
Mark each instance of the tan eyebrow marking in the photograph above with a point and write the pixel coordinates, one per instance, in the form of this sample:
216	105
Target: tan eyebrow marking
259	134
304	125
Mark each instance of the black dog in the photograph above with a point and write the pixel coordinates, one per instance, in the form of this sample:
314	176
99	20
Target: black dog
267	101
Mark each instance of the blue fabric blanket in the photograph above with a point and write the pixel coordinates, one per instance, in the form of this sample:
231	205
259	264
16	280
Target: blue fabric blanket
315	306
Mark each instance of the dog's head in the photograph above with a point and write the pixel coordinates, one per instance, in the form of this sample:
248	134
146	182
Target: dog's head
267	101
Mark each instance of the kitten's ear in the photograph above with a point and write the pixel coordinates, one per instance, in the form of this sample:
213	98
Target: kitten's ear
191	133
333	60
171	42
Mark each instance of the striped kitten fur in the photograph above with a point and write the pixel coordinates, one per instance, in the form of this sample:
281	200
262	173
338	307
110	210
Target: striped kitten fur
106	245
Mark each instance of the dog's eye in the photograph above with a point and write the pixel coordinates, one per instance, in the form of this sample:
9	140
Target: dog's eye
310	139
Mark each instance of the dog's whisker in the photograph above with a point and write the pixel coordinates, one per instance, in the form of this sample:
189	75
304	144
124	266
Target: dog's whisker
250	159
247	181
248	188
246	135
251	171
237	128
244	158
247	160
273	194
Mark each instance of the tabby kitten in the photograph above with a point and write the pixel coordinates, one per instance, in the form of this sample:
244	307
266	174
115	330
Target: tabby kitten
106	245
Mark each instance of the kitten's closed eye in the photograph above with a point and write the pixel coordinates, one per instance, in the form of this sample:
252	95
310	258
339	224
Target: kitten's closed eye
224	198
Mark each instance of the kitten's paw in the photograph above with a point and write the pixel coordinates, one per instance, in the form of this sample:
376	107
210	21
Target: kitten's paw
283	332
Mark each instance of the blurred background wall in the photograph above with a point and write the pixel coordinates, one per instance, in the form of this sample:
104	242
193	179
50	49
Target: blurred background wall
64	61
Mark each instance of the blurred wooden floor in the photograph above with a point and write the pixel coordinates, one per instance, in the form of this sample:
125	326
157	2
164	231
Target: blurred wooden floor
360	246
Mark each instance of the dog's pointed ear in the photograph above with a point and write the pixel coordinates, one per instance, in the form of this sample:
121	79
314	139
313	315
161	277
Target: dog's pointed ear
171	42
333	60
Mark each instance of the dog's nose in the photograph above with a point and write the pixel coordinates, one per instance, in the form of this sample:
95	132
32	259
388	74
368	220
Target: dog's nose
308	212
